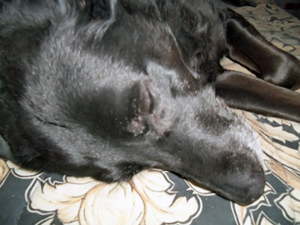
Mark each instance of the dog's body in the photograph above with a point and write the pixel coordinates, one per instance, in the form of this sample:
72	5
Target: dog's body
107	88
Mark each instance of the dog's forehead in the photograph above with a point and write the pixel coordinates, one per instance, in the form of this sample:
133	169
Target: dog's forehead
134	40
80	60
94	53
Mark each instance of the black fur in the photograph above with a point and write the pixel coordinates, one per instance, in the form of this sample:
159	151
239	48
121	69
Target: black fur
107	88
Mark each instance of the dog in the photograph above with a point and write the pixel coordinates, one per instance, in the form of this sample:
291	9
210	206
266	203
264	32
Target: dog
108	88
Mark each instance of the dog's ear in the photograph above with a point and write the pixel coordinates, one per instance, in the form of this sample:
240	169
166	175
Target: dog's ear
98	9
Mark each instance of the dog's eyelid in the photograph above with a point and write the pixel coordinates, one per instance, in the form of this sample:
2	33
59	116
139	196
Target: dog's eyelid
145	102
151	105
147	99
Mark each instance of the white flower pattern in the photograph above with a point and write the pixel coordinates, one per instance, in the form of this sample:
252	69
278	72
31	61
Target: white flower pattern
146	199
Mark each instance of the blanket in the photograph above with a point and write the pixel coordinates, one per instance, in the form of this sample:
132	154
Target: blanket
160	197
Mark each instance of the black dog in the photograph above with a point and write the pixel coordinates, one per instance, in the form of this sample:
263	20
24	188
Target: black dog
107	88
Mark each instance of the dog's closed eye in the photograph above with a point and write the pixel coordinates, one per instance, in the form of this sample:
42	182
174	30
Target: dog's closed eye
150	112
143	107
146	101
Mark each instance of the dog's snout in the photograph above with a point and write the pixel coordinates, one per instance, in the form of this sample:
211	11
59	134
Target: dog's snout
256	188
248	180
253	186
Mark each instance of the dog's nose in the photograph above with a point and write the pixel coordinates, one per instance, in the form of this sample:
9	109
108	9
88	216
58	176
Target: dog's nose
255	188
244	185
249	186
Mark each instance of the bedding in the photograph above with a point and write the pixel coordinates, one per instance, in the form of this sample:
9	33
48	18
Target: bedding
160	197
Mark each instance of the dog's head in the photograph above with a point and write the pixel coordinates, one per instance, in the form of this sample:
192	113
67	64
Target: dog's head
105	90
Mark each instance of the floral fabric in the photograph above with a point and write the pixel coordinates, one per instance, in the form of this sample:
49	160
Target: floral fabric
160	197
